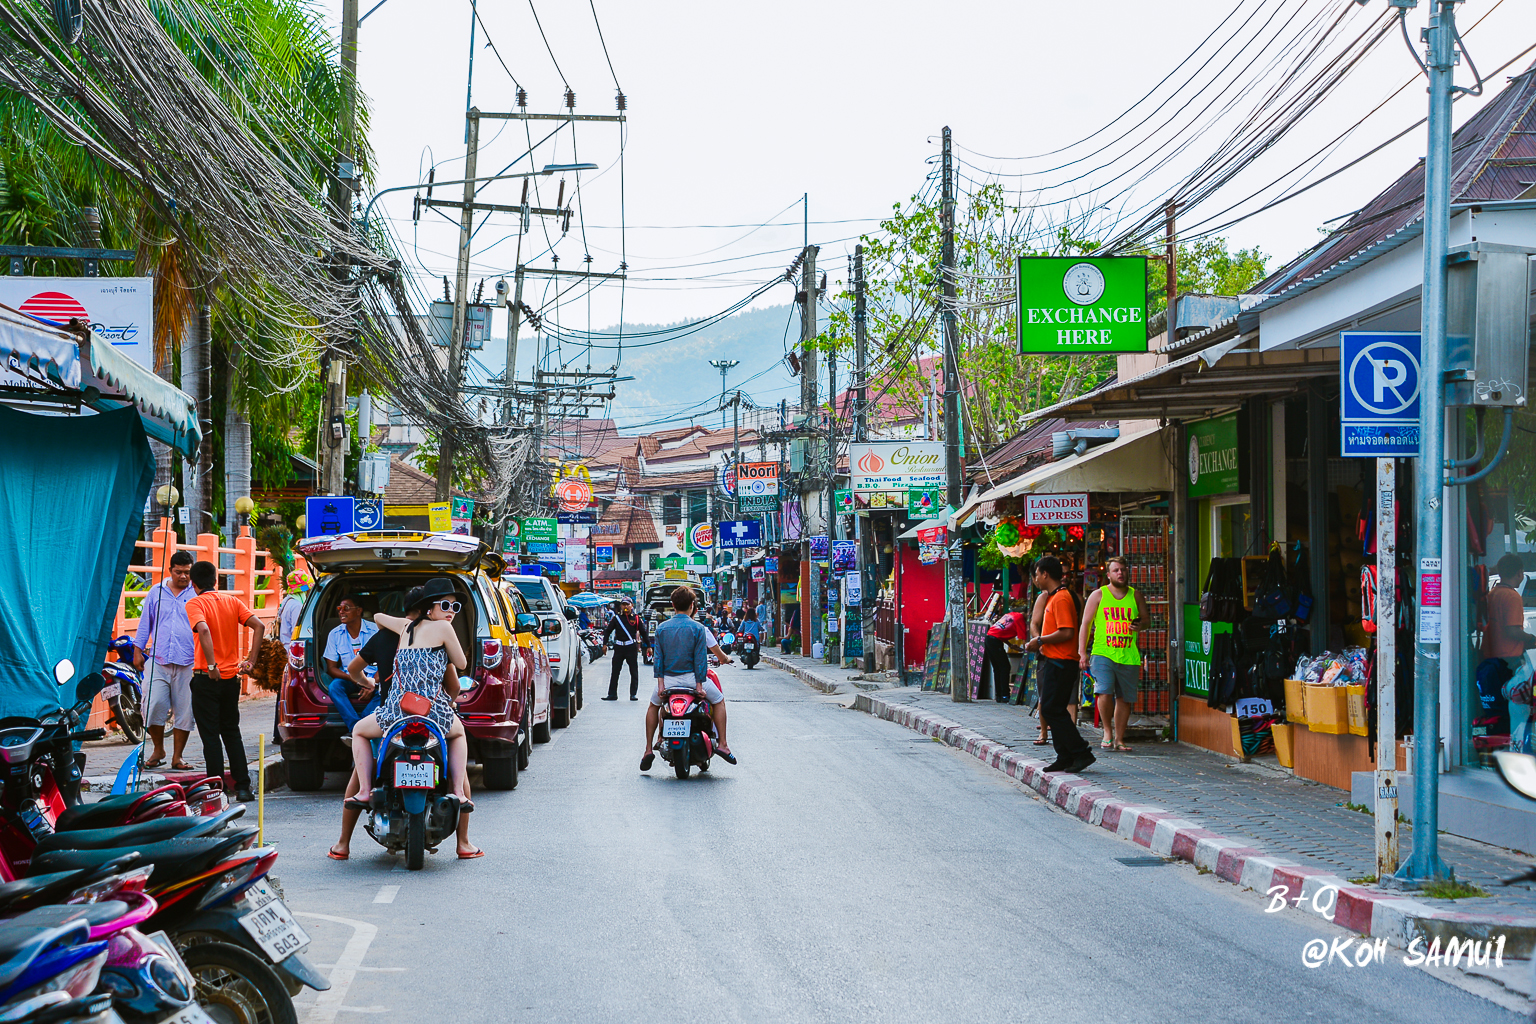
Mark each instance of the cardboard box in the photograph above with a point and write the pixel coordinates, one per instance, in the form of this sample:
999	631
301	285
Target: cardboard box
1354	697
1327	708
1284	749
1295	711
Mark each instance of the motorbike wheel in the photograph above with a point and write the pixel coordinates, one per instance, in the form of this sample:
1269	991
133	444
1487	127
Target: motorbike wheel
129	717
416	841
234	986
681	768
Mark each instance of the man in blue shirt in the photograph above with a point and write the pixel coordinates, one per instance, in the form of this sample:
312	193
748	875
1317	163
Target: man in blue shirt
345	643
682	658
166	635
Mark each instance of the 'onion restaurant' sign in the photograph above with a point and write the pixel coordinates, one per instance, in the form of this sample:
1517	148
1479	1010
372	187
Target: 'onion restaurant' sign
1073	304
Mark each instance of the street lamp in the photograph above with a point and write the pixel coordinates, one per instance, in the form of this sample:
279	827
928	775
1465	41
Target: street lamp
724	366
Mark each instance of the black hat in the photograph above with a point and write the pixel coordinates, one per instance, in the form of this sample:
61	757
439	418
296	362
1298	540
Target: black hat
432	590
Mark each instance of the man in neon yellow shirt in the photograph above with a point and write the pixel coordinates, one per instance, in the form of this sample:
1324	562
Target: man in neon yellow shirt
1106	647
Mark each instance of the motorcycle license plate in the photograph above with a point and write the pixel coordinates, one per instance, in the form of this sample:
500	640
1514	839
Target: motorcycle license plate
417	775
274	929
191	1015
676	729
110	690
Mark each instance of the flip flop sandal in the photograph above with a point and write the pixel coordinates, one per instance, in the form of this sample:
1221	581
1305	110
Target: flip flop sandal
1122	748
465	806
1106	745
471	856
154	764
356	804
646	761
331	853
181	766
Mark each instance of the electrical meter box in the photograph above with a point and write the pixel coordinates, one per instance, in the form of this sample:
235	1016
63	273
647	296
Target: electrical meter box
1488	326
477	324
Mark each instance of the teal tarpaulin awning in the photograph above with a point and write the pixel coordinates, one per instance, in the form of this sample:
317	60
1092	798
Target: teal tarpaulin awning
71	505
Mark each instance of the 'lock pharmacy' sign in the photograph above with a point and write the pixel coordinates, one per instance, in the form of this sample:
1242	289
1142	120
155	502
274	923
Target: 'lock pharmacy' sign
1070	304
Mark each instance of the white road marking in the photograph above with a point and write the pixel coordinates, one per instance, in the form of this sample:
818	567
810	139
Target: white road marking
329	1003
364	1009
386	894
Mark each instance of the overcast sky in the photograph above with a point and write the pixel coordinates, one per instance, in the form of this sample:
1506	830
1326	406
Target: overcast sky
736	111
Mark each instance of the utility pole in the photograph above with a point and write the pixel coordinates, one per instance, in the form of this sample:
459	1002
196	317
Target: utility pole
954	566
1424	862
1171	286
445	449
724	366
861	433
514	321
1386	668
333	452
810	598
834	521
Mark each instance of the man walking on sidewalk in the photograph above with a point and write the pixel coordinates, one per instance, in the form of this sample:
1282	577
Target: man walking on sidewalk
216	618
1057	669
166	634
1106	646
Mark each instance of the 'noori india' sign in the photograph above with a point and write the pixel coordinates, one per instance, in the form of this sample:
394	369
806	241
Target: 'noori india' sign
1072	304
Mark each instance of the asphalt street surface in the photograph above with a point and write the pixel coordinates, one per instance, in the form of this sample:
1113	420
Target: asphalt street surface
846	870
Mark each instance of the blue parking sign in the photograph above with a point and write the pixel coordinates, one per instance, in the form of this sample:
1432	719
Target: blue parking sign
328	515
1379	389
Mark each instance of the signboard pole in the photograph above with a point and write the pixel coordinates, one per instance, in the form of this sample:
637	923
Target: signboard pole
954	579
1386	668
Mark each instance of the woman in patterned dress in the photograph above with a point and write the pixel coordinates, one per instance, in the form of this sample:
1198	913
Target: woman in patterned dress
428	645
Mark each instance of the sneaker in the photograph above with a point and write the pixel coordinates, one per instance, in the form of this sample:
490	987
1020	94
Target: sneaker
1058	765
1083	761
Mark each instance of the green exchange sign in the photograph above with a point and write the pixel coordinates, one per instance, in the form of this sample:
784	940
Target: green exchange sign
1075	304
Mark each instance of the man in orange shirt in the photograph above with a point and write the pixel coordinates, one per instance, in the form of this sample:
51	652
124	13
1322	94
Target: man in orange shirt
1057	670
216	618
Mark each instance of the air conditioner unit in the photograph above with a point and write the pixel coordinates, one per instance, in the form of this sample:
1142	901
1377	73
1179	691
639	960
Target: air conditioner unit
623	565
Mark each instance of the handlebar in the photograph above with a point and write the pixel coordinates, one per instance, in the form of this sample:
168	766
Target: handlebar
89	734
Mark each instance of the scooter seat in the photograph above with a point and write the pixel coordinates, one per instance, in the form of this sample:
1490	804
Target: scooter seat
173	858
24	890
124	836
104	812
21	945
93	914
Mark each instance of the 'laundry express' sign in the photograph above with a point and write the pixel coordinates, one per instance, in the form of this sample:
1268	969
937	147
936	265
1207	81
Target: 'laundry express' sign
1055	509
1070	304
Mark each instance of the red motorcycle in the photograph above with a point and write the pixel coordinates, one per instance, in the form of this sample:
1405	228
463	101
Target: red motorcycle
687	731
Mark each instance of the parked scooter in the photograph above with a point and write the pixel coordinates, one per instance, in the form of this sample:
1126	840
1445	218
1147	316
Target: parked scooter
687	731
1519	773
124	691
51	975
413	808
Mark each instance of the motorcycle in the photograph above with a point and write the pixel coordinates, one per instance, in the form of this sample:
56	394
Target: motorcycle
727	642
687	732
750	650
592	637
124	691
239	940
51	974
413	809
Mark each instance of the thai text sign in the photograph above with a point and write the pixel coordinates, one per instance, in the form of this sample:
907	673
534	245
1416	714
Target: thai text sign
1055	509
1082	304
896	465
119	310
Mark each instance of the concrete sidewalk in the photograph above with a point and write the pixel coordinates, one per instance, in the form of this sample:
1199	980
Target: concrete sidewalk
103	758
1251	824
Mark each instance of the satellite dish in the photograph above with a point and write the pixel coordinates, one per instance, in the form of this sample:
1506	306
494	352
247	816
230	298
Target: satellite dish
69	20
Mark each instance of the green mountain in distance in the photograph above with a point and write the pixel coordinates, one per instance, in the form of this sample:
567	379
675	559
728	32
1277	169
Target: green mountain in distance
674	378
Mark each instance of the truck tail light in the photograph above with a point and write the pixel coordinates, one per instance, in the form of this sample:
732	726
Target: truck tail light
490	653
296	651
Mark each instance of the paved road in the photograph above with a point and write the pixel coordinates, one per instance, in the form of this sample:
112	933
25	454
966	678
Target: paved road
846	870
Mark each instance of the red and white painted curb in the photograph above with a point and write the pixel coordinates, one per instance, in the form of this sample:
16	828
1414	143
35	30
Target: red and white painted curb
1362	909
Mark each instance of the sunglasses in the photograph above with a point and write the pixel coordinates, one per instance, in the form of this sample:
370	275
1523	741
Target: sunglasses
449	606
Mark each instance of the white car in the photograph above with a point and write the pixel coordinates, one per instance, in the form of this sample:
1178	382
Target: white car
562	639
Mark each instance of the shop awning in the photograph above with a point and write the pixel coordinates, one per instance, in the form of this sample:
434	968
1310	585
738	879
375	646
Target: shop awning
169	414
1200	384
1137	463
40	355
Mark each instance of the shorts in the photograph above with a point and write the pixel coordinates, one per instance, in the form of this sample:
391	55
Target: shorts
167	692
711	691
1112	677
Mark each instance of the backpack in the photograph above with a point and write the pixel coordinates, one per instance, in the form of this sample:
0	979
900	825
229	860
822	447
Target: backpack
1273	600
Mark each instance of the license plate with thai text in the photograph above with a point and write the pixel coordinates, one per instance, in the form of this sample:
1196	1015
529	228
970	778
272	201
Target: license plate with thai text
415	774
275	930
676	729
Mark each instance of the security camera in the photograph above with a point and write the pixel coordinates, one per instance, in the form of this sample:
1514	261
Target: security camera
501	292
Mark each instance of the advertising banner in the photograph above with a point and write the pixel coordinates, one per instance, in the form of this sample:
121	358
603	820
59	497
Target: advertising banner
896	465
1071	304
845	555
924	502
1055	509
120	310
540	530
757	485
770	564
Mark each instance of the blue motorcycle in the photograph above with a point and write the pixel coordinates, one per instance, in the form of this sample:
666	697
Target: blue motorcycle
413	807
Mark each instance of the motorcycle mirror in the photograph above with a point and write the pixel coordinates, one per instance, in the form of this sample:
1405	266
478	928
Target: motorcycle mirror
89	687
1518	770
64	671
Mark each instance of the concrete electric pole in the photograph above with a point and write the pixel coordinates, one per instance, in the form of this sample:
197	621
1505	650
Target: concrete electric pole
333	429
810	603
954	576
862	535
445	443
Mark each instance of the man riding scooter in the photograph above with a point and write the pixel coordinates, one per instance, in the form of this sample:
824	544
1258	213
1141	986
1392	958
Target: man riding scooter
682	662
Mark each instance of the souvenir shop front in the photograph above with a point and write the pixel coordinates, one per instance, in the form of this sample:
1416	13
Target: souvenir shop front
1111	500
